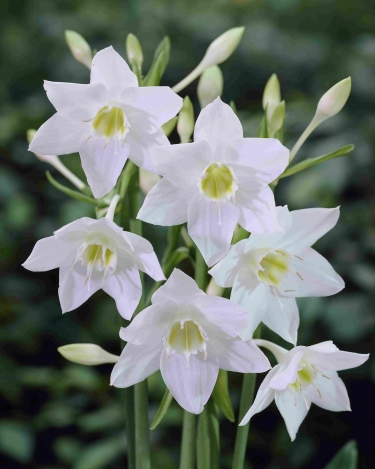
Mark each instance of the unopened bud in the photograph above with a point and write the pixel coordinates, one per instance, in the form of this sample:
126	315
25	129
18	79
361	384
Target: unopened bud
87	354
147	180
134	50
213	289
222	47
333	100
185	123
271	95
169	126
79	48
210	85
276	121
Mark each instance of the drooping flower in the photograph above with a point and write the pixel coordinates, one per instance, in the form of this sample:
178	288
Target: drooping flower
215	182
305	375
188	335
107	121
268	272
94	254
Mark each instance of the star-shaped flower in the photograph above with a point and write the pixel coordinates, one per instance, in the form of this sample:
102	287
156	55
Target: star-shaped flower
188	335
268	272
216	182
94	254
106	121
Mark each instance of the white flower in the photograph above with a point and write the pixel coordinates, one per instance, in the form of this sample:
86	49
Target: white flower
215	182
268	272
94	254
189	336
305	375
106	121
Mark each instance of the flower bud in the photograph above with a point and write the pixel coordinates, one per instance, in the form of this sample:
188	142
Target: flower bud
185	123
87	354
222	47
213	288
210	85
276	121
79	48
333	100
147	180
134	50
271	95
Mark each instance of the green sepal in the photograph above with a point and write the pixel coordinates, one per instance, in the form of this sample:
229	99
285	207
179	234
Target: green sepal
308	162
263	127
169	126
346	458
74	194
221	397
163	408
159	64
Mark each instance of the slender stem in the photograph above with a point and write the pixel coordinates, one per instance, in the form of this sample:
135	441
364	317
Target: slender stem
187	460
56	163
187	80
203	441
309	129
126	177
128	397
247	397
112	207
200	270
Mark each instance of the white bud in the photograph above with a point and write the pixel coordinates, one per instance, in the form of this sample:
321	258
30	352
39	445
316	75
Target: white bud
87	354
222	47
185	123
134	50
333	100
79	48
276	121
210	85
147	180
271	95
213	288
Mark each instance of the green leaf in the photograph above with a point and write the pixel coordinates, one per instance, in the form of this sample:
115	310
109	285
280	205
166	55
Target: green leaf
72	193
263	128
179	255
220	395
346	458
308	162
161	59
163	408
100	454
16	440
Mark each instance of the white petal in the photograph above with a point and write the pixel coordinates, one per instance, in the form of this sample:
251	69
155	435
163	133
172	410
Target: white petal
324	347
145	257
312	276
110	69
292	410
72	289
59	136
159	102
221	312
136	363
288	371
264	397
336	361
102	163
179	287
76	101
257	211
257	161
48	253
212	227
284	218
182	164
308	226
225	271
140	143
76	231
236	355
190	384
218	125
125	287
165	205
329	393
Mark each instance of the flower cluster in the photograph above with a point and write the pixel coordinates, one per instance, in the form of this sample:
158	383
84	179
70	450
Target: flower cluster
216	184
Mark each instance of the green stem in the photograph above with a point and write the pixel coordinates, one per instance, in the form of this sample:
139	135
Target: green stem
128	394
187	460
203	441
200	270
247	397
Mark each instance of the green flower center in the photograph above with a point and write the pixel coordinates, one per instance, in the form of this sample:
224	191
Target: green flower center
186	337
110	122
275	265
218	182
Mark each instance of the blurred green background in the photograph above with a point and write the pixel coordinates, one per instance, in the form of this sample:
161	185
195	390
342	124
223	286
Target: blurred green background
59	415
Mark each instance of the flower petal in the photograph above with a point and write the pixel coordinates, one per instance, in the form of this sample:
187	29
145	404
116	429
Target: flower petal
212	227
190	384
257	161
236	355
136	363
257	211
76	101
329	393
49	253
225	271
293	410
125	287
179	287
165	205
59	136
336	361
218	125
76	231
102	163
140	143
308	226
110	69
288	371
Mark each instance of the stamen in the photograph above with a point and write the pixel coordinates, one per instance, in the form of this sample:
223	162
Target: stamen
299	275
300	258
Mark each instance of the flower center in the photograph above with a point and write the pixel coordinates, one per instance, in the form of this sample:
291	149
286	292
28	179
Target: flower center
186	337
110	122
96	256
274	266
306	376
218	182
